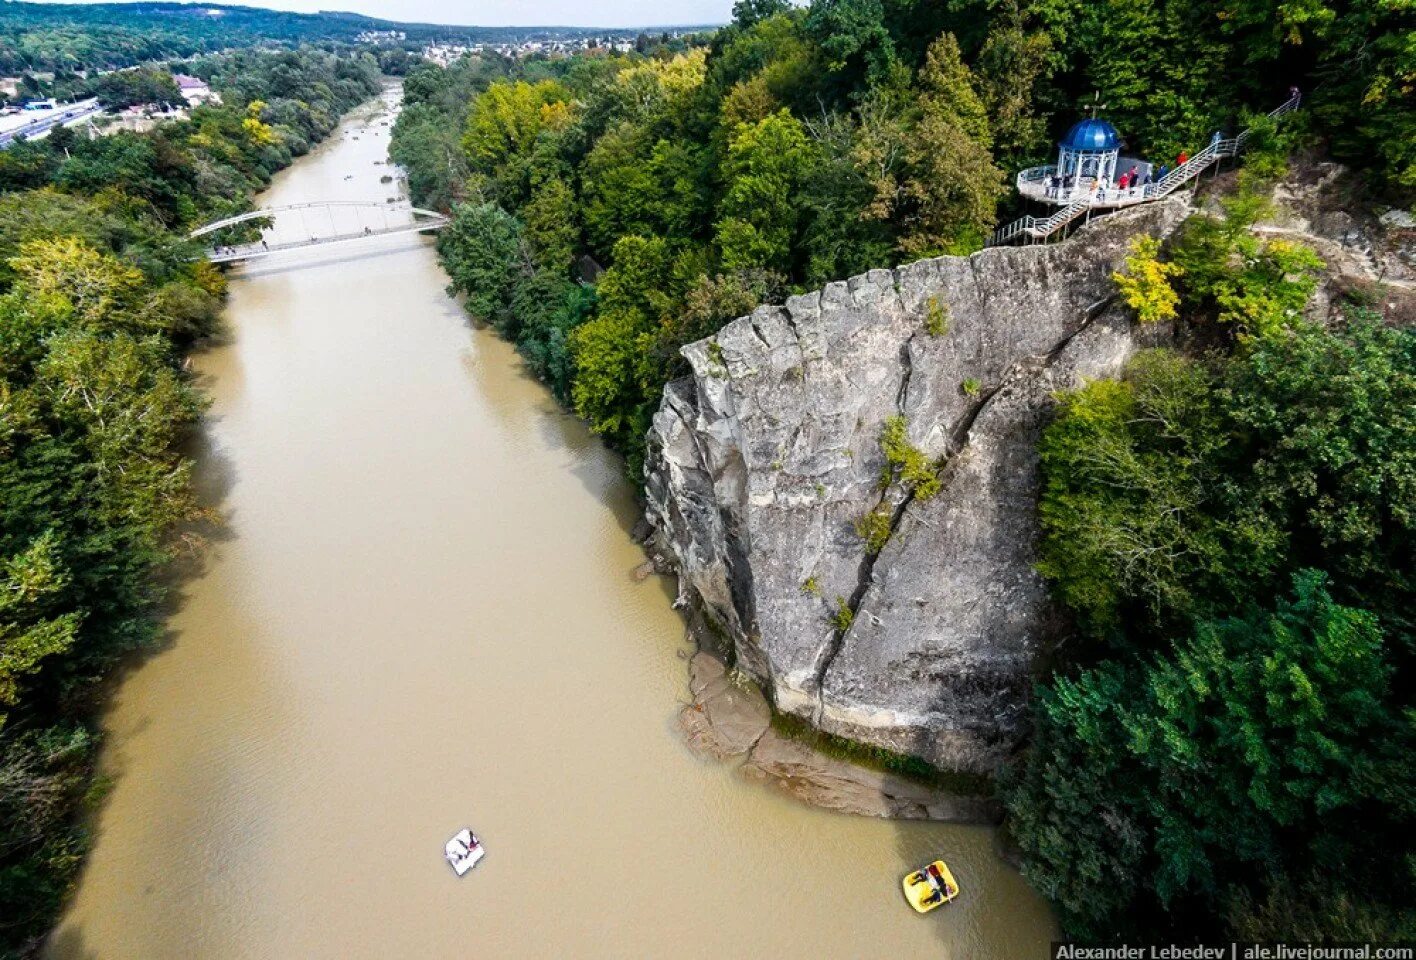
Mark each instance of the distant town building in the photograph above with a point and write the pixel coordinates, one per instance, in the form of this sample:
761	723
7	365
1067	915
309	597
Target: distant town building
381	36
195	90
444	54
138	118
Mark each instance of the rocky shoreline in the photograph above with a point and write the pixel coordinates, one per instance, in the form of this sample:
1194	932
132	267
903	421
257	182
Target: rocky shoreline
729	719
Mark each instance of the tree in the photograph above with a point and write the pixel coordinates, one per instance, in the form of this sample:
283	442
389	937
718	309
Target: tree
1145	283
429	149
748	12
28	631
759	215
1010	73
853	36
503	127
1258	750
1131	471
709	303
552	230
616	375
848	193
1363	99
952	187
1329	419
620	190
125	88
550	308
98	287
483	254
129	407
27	166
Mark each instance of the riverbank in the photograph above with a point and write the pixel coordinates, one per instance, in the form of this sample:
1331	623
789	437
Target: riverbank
101	296
424	616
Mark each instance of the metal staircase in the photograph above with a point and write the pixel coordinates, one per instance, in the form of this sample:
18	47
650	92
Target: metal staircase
1040	228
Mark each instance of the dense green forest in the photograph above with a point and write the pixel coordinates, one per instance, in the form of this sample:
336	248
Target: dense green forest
1225	748
799	146
99	296
1231	744
64	36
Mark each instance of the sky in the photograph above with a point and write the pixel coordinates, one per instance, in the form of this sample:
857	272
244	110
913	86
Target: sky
497	13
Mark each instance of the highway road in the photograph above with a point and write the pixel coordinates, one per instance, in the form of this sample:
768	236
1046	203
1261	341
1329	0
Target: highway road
47	120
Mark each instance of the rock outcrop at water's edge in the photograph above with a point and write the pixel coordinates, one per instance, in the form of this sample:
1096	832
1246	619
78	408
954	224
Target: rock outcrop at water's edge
730	718
762	461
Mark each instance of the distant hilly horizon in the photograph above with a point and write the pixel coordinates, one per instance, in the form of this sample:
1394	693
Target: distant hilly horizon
123	12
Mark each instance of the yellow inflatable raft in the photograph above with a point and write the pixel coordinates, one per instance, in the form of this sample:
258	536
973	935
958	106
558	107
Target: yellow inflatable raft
930	886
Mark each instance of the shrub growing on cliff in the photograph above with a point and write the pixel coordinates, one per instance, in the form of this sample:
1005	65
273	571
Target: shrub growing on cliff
1145	283
874	529
842	617
1228	273
905	462
936	316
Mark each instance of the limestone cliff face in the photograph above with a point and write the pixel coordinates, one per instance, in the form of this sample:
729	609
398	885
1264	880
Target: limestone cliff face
762	461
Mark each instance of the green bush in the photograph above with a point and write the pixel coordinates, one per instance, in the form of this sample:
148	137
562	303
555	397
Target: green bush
874	528
936	316
905	462
842	617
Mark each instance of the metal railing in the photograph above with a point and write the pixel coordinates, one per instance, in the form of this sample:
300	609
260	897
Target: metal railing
1038	228
257	251
271	212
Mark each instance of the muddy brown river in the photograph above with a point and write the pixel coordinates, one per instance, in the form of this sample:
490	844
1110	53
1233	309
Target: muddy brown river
421	616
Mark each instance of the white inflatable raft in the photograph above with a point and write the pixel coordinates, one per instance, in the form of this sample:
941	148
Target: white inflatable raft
464	851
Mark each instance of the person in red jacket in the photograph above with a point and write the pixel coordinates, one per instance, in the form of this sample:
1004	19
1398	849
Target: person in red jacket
1183	159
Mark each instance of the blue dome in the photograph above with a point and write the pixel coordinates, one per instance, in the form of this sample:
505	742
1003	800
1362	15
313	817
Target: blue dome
1092	135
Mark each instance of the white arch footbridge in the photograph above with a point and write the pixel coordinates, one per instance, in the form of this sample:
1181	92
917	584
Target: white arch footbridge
318	223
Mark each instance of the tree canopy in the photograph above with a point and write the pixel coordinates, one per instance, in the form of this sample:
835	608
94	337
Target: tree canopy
1227	750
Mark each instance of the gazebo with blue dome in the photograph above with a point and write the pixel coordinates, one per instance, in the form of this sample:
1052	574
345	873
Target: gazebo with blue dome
1088	166
1091	175
1089	152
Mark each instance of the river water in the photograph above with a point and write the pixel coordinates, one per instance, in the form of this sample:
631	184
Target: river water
420	616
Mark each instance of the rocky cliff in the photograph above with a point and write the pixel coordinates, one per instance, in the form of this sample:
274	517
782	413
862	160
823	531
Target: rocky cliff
762	462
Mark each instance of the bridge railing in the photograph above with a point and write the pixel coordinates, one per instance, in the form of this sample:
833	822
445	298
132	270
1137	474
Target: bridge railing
269	212
420	221
254	251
